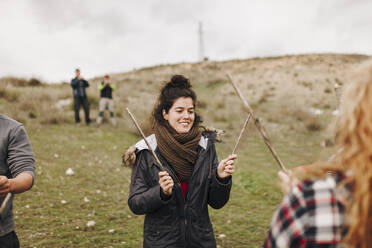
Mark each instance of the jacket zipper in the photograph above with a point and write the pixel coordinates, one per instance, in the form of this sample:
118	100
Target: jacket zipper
184	198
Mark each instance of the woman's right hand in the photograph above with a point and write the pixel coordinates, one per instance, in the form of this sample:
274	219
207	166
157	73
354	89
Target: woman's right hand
166	182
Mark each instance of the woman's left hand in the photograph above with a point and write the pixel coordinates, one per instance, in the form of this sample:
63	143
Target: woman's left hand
288	179
226	167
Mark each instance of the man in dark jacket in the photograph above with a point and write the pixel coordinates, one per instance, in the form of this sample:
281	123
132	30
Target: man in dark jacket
78	85
17	173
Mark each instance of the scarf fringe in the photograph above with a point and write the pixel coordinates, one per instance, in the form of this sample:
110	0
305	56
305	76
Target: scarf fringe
129	157
219	132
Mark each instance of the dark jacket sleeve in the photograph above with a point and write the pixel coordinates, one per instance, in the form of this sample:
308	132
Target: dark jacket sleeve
219	189
74	83
143	197
20	156
86	84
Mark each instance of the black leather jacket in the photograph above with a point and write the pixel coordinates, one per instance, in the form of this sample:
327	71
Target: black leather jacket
178	222
78	87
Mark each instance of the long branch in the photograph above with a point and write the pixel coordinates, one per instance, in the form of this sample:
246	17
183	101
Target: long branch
258	124
241	133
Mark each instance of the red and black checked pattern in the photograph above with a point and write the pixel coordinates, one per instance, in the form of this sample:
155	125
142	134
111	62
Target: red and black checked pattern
311	215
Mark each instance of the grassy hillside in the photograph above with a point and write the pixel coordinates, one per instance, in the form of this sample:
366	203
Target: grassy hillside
283	91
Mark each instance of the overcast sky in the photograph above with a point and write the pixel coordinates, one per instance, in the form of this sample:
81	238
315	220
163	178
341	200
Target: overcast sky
49	38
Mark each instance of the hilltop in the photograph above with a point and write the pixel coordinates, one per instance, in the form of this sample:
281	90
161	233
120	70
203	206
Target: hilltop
284	90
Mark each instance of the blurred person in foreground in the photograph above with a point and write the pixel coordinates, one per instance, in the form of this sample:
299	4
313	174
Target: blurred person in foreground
79	85
332	206
17	173
106	101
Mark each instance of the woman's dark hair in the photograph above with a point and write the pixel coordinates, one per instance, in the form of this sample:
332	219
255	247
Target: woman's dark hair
177	87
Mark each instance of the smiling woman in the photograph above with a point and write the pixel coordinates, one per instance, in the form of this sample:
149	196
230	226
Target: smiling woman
175	201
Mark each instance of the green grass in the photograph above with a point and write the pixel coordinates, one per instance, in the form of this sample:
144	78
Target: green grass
94	154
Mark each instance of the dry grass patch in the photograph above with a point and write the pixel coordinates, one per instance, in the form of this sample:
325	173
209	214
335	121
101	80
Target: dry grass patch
21	82
10	95
201	104
327	90
312	123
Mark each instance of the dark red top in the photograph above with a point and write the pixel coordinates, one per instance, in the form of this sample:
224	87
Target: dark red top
184	187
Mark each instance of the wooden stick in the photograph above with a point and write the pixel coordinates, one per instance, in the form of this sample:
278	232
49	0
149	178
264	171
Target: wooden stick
258	124
269	145
241	133
147	143
4	204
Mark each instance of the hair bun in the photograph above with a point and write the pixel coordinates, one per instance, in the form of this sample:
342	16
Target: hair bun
179	81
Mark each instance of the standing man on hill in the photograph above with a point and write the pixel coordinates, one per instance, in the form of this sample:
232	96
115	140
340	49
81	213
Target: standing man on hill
17	173
78	85
106	89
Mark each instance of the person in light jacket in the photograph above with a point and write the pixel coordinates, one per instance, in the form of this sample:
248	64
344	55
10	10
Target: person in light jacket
106	88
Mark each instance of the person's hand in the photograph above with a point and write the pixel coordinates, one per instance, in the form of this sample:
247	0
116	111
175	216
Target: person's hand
4	186
166	182
287	181
226	167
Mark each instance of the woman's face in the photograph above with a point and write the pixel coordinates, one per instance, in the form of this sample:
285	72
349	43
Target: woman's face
181	115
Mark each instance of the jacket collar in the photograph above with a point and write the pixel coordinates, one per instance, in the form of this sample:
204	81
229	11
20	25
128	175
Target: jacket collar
141	145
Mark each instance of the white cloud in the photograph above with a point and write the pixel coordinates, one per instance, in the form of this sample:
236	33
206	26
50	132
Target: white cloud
48	39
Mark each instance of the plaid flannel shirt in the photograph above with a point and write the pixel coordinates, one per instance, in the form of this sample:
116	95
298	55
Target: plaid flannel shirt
311	215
